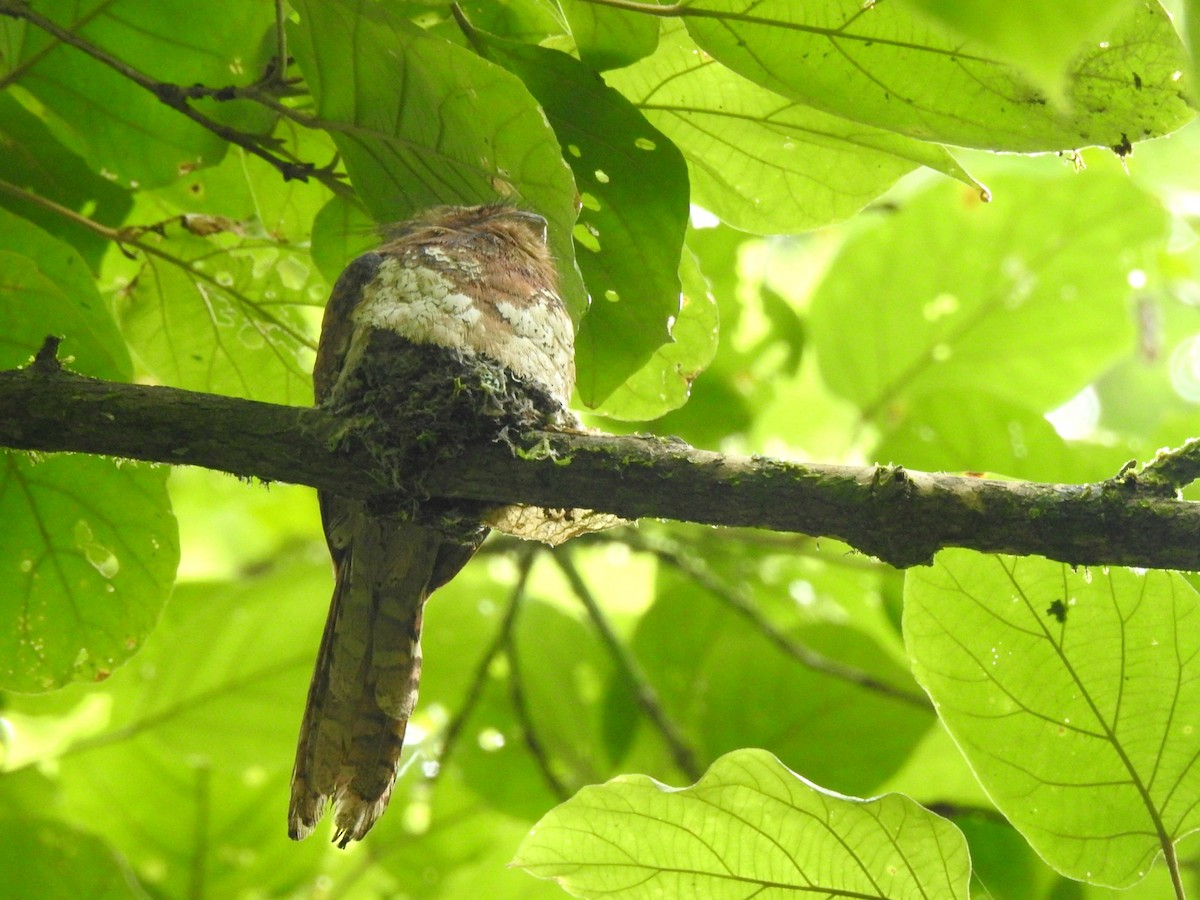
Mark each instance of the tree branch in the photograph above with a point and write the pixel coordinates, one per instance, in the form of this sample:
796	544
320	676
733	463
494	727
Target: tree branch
900	516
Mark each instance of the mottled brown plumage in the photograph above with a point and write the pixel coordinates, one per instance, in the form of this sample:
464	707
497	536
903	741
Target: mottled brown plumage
453	286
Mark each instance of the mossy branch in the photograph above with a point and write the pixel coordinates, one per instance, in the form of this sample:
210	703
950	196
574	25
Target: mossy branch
900	516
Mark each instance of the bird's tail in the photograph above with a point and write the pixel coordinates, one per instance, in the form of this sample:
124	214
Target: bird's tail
365	684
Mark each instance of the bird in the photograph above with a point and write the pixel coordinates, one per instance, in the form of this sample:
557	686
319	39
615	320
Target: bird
453	327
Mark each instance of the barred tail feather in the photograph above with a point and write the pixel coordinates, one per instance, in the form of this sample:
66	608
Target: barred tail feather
365	685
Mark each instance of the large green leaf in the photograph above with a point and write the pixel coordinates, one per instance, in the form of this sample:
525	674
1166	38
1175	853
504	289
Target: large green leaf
88	555
749	827
1025	298
1073	695
664	383
727	685
207	316
881	65
35	160
341	231
758	161
89	548
46	859
957	431
634	213
422	122
122	129
608	38
47	289
184	758
1041	39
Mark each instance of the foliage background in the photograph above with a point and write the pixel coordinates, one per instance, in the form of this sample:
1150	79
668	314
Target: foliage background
1050	334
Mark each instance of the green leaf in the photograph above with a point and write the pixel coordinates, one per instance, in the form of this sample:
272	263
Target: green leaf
121	129
665	382
341	231
531	21
972	431
749	827
1025	298
208	317
882	66
634	195
187	768
1073	695
463	854
1192	23
422	122
609	38
47	289
759	162
561	670
35	160
49	860
88	555
728	685
720	400
1040	39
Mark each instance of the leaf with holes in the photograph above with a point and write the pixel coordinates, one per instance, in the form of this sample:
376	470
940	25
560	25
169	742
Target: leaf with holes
89	549
1025	298
664	383
422	122
749	827
1075	696
758	161
634	191
880	64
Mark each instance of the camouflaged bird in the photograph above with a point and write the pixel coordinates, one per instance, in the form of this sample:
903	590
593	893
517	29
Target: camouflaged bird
453	326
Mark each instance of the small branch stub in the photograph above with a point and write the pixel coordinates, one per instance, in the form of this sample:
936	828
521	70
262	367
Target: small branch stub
45	361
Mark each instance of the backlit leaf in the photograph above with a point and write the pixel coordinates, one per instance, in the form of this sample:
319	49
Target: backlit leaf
1075	697
749	827
881	65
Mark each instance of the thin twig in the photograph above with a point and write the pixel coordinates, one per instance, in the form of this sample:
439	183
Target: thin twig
643	691
281	49
499	641
516	695
172	95
741	604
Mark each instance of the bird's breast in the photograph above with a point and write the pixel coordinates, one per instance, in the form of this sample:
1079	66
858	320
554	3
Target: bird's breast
429	298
